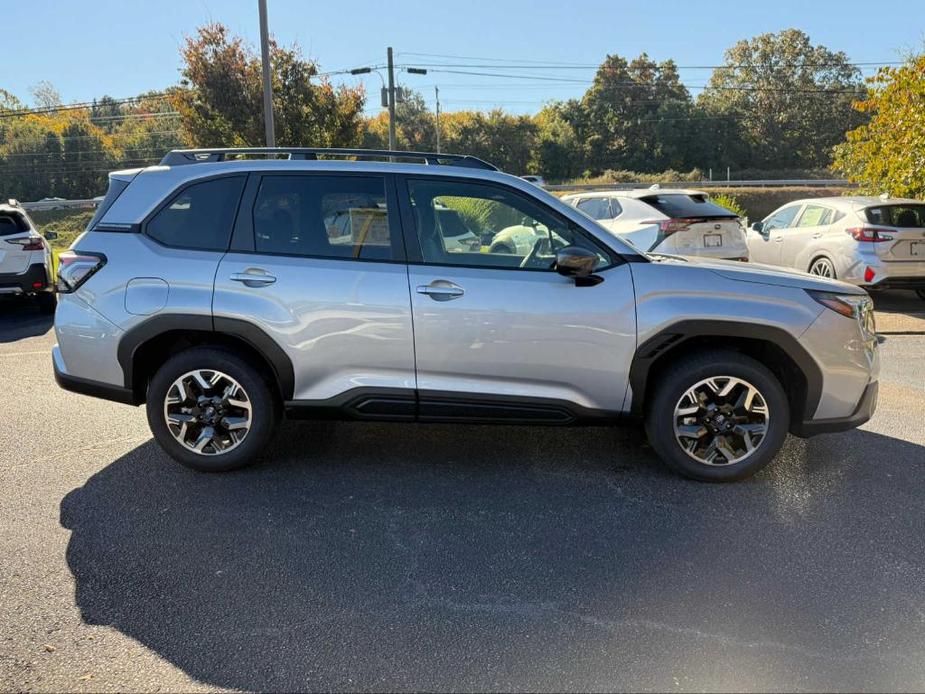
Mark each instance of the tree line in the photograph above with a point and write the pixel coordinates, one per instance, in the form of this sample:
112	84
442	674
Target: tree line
777	103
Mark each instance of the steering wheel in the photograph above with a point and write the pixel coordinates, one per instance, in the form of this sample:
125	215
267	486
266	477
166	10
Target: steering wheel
539	246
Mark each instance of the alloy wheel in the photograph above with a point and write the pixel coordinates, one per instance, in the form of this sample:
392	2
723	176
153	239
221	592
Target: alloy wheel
822	268
721	420
207	412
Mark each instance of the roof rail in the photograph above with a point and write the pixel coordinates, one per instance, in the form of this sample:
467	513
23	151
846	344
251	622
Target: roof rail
179	157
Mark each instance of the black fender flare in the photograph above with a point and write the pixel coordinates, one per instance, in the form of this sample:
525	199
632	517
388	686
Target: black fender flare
248	333
677	333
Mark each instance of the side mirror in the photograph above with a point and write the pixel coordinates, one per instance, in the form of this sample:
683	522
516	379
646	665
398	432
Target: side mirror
576	262
758	226
50	235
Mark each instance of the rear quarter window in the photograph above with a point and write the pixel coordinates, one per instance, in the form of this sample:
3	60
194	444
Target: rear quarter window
680	206
200	216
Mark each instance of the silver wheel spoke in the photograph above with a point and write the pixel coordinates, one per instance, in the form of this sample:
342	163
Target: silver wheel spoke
721	420
207	412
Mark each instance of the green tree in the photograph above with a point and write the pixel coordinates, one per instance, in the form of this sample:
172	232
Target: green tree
790	99
622	112
415	127
220	97
557	153
887	154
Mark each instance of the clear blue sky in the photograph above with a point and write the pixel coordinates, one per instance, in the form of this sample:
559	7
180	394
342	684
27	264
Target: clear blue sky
123	47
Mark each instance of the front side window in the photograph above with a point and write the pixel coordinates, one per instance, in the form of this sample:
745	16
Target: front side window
595	208
323	216
782	219
815	216
200	216
508	230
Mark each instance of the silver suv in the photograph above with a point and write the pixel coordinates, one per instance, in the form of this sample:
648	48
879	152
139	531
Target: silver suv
225	288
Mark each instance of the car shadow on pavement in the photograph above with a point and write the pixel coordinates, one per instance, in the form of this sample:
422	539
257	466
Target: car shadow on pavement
20	318
402	557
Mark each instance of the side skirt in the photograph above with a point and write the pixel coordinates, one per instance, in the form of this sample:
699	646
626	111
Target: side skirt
397	404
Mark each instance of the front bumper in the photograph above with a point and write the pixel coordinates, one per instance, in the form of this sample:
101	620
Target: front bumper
34	279
862	413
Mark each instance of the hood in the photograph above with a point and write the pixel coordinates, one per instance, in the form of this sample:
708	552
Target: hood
770	274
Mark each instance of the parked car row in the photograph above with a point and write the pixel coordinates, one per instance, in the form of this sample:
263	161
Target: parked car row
872	242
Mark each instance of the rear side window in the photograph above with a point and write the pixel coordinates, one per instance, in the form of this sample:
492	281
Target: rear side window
680	206
595	208
200	216
323	216
897	215
12	223
815	216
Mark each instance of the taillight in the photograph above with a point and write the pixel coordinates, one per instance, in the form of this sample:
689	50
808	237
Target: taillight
670	226
869	234
75	268
29	243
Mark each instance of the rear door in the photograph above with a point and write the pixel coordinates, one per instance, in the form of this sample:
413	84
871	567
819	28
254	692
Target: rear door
906	224
502	335
799	239
14	259
317	263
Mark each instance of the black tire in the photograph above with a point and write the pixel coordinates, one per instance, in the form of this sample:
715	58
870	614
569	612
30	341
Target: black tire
682	375
266	411
47	302
502	248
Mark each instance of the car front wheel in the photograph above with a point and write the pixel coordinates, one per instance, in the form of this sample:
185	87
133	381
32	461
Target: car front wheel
210	410
717	416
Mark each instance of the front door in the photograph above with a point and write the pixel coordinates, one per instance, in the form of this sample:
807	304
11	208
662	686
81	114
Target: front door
799	240
501	334
765	246
316	263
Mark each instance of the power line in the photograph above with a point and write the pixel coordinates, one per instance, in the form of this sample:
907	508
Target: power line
12	113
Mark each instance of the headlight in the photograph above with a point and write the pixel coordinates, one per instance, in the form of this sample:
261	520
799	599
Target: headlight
857	306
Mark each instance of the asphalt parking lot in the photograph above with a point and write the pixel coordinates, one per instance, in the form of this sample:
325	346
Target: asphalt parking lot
399	557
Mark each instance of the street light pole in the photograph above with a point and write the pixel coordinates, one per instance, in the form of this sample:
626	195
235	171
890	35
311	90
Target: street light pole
391	100
267	83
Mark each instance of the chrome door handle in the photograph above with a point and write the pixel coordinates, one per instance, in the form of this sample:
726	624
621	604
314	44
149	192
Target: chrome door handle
778	239
817	236
253	279
441	290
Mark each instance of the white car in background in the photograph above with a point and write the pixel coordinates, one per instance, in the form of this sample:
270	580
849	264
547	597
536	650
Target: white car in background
672	221
873	242
25	258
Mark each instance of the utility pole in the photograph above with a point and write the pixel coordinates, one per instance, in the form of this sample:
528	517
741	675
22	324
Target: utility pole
267	83
437	96
391	99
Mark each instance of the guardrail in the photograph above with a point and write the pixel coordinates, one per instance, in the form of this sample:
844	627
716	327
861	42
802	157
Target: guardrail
768	183
59	204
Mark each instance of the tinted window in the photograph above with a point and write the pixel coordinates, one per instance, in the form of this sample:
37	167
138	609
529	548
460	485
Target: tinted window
323	216
451	224
815	216
616	209
679	206
12	223
510	231
200	216
897	215
595	208
782	219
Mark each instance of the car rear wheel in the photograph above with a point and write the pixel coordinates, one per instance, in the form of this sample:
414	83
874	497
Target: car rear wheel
717	416
210	410
822	267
